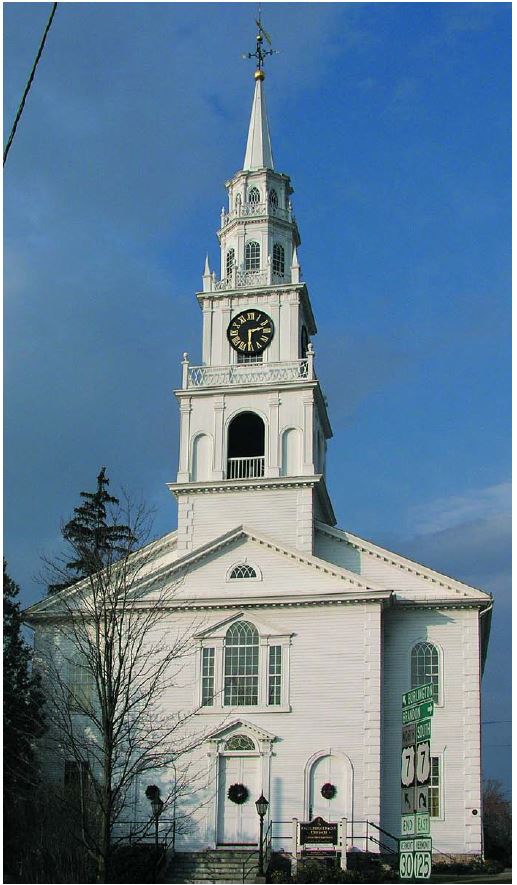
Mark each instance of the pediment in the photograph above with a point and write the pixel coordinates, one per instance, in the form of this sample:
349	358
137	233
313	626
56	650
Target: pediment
240	725
263	625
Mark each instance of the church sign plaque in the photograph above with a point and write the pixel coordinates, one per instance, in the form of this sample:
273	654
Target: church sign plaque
318	832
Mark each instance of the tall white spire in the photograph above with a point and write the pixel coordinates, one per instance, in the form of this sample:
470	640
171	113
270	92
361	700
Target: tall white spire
258	149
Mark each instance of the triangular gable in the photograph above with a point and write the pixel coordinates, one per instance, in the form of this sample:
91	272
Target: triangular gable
226	731
264	627
436	579
306	559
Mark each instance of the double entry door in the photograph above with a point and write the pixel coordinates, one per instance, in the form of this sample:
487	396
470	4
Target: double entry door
238	823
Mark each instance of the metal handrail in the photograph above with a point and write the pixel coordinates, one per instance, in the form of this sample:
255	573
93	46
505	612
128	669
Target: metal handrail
396	839
383	845
266	849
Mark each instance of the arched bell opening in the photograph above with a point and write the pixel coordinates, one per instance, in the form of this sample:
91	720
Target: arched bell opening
246	447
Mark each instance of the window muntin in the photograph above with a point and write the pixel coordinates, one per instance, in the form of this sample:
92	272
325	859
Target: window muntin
80	686
239	742
230	262
273	197
241	659
275	675
425	667
243	570
254	195
207	677
250	358
278	259
434	788
252	256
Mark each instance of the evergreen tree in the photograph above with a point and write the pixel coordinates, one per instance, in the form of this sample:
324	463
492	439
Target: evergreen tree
23	723
94	538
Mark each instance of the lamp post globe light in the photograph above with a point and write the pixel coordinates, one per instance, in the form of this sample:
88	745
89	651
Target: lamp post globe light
262	806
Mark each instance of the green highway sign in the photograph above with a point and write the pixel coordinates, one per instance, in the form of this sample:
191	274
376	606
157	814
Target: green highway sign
418	695
423	730
415	714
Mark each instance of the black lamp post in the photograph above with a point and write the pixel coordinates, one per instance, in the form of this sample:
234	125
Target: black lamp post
262	806
153	794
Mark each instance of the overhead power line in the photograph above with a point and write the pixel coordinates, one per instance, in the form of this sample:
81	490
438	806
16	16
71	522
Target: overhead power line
29	83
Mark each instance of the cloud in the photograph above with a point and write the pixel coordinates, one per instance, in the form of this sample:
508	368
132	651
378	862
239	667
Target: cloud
473	506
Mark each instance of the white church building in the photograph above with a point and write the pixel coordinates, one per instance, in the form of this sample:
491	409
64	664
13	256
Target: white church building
309	634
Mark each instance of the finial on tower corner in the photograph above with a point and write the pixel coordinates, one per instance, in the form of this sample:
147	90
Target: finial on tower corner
260	53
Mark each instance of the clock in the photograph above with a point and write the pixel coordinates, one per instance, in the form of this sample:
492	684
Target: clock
250	331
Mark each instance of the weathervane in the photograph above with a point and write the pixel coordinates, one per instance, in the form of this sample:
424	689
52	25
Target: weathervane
260	53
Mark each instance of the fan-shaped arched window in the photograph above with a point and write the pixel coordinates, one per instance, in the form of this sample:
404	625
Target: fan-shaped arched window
273	197
254	195
425	667
278	259
241	665
252	256
242	571
239	742
230	261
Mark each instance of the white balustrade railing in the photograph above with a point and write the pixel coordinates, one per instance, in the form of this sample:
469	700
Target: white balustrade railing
248	373
245	468
246	210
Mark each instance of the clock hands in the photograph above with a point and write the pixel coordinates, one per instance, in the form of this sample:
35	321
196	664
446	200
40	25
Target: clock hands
250	333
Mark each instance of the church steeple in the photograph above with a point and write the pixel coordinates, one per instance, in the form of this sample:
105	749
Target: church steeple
259	154
254	424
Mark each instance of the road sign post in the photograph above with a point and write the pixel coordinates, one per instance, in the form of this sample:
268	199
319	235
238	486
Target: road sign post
415	855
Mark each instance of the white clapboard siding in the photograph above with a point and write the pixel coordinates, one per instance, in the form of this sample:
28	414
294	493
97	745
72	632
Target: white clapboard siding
455	724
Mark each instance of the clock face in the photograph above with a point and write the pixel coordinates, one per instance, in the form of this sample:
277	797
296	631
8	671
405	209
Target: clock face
250	331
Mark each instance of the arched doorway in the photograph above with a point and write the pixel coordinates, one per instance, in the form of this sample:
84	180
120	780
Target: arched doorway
246	446
329	767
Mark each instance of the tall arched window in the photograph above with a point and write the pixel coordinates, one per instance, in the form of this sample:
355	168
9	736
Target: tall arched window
241	664
230	261
425	667
246	446
278	259
273	197
252	255
254	195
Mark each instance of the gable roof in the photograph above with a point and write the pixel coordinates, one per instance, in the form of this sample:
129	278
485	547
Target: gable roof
243	532
355	587
402	562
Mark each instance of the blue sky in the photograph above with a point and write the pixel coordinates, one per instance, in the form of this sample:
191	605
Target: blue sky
393	121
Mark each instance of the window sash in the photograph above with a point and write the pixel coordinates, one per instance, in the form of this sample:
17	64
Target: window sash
434	788
425	667
207	677
275	675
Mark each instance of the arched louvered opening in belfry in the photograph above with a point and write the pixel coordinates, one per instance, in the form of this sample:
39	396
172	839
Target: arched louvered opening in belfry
246	446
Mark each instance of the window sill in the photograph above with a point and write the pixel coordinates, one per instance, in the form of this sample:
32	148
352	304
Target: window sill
277	708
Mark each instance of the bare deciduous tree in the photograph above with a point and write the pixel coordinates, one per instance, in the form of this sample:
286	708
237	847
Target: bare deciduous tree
111	659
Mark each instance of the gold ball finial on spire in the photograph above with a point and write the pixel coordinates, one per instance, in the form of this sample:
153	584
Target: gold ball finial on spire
259	74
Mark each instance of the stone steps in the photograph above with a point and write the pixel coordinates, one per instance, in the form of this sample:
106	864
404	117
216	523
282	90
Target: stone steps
224	865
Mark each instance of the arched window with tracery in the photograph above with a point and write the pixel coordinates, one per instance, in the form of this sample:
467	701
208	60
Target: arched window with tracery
242	571
230	261
239	743
252	255
425	667
278	259
241	665
273	198
254	195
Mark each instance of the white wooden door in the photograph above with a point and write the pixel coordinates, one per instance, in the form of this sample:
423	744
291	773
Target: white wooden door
238	824
328	770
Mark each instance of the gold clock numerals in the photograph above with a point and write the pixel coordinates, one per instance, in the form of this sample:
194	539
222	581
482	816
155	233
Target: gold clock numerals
250	331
